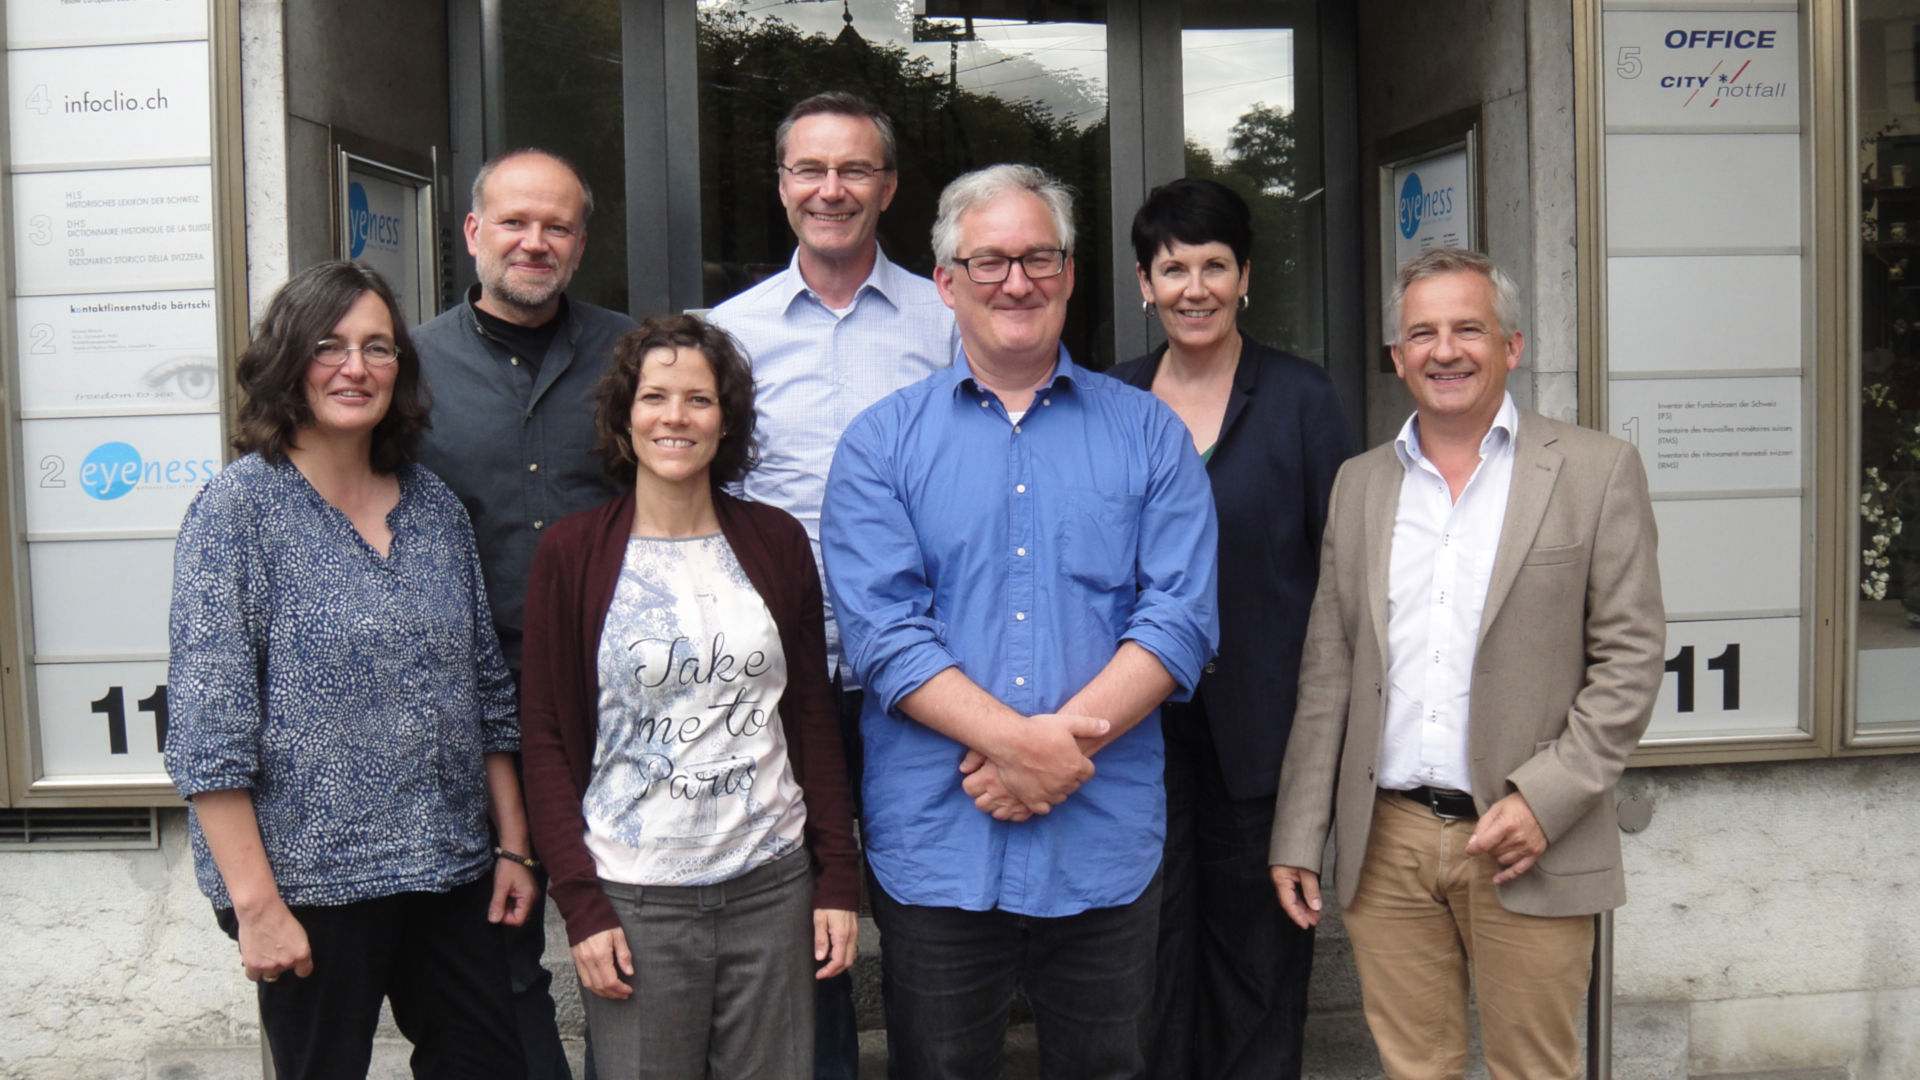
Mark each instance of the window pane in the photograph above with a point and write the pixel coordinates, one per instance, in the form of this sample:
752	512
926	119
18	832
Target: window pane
1252	112
562	65
1887	558
963	89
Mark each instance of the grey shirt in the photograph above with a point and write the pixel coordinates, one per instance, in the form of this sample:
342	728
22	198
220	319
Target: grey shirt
513	440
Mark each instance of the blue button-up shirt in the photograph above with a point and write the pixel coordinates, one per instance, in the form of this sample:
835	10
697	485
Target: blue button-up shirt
815	369
1024	554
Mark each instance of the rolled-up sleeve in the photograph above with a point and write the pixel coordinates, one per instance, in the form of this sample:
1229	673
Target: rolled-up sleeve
1176	615
876	573
216	639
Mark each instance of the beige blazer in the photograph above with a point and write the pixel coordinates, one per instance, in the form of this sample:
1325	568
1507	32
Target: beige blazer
1571	652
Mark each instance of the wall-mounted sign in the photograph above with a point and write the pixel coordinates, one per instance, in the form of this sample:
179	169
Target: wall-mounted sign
1726	313
113	230
1429	198
1721	70
40	24
74	108
1713	563
94	353
102	720
1703	194
114	475
1727	679
386	223
73	581
1718	435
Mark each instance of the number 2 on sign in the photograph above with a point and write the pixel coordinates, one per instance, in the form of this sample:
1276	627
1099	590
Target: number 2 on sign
113	705
1727	664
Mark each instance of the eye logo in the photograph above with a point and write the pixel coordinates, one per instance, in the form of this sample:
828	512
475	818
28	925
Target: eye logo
110	471
1411	205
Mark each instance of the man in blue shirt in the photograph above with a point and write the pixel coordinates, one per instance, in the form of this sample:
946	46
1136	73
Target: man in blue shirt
1021	554
837	330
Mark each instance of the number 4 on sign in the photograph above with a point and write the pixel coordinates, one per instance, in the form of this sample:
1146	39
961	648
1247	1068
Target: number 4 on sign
113	705
1727	664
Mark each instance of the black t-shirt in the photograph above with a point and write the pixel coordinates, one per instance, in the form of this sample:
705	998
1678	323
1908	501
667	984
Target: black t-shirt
528	343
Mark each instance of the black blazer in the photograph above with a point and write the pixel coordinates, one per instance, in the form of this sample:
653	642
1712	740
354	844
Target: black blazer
1282	441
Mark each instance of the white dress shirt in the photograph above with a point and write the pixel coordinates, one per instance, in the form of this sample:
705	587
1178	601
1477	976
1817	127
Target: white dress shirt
814	370
1442	558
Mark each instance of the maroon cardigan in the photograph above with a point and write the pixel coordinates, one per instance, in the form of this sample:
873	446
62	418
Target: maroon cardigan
574	575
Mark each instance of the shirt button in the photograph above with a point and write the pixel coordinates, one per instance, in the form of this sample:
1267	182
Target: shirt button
1046	401
1020	488
1210	666
1019	616
515	361
1016	429
1019	680
1022	552
539	524
533	467
983	404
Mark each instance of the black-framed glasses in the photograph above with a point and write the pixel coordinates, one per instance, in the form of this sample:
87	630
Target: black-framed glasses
993	269
809	173
333	352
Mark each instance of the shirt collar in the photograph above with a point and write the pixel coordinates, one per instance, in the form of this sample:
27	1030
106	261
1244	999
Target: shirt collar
883	279
960	374
1506	423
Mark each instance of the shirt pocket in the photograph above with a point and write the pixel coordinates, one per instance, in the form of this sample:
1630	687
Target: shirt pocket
1100	538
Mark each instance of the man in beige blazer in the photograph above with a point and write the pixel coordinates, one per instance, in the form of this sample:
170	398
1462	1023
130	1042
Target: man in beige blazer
1483	653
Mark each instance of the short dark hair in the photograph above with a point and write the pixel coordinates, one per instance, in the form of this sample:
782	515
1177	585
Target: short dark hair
732	380
837	103
479	192
1191	211
273	371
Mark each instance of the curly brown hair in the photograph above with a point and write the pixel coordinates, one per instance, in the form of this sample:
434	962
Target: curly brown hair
732	381
272	372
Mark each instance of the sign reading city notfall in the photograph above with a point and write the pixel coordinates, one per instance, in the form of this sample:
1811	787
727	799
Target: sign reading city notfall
1729	69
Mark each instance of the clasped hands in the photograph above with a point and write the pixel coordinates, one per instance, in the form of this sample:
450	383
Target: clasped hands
1033	765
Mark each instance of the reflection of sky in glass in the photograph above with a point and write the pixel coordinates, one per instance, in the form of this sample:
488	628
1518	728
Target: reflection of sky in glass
1062	66
1226	72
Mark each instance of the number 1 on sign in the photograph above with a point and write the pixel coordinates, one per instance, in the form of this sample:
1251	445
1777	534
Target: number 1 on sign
113	705
1727	664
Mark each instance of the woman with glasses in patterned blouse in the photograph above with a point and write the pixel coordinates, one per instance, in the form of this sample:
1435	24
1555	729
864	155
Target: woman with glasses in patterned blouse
342	719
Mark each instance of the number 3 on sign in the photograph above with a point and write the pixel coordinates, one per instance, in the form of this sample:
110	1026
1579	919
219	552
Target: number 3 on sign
1727	664
113	705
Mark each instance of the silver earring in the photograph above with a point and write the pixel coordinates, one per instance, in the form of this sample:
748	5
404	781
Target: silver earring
1244	301
1146	307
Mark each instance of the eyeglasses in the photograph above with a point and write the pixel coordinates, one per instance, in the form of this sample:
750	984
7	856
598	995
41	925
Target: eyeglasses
333	352
808	173
993	269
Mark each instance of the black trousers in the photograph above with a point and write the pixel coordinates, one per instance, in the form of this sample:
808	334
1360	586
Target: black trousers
1230	993
434	956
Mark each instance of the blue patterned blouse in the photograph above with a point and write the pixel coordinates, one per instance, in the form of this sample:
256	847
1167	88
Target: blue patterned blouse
355	695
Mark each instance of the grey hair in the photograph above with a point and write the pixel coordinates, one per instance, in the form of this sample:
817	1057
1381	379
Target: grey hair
836	103
1453	260
485	174
976	189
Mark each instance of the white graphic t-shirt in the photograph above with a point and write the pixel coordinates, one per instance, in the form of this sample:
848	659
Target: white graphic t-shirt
690	784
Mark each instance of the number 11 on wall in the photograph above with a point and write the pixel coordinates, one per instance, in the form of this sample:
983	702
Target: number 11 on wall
113	705
1727	664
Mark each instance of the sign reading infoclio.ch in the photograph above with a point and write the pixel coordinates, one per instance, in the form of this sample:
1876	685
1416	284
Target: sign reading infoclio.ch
116	310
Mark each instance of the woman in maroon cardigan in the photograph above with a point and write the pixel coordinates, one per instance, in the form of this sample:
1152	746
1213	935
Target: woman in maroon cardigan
684	777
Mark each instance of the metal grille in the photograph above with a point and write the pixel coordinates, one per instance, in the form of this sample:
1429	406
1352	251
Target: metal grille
79	829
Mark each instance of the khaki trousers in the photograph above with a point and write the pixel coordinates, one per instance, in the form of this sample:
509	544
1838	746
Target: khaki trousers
1426	914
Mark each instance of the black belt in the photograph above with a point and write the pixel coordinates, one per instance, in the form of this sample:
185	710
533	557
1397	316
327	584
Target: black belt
1445	802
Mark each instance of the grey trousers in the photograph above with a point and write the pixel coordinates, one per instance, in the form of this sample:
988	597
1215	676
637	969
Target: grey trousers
722	982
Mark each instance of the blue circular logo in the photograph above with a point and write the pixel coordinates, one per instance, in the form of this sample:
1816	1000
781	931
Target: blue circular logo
1410	206
358	217
111	470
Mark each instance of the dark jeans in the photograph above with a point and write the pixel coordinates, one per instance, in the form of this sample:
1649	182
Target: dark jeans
434	956
949	977
836	1037
1230	997
532	996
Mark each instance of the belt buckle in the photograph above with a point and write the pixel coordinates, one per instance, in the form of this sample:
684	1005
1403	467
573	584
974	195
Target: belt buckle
1434	798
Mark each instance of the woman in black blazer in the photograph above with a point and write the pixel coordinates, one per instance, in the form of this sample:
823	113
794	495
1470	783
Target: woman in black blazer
1232	980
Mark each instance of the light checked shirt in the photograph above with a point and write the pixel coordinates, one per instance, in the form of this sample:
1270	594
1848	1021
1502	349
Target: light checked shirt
1024	554
1442	558
815	369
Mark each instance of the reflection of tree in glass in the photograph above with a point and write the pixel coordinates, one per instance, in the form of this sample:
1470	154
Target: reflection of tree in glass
752	70
1264	165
